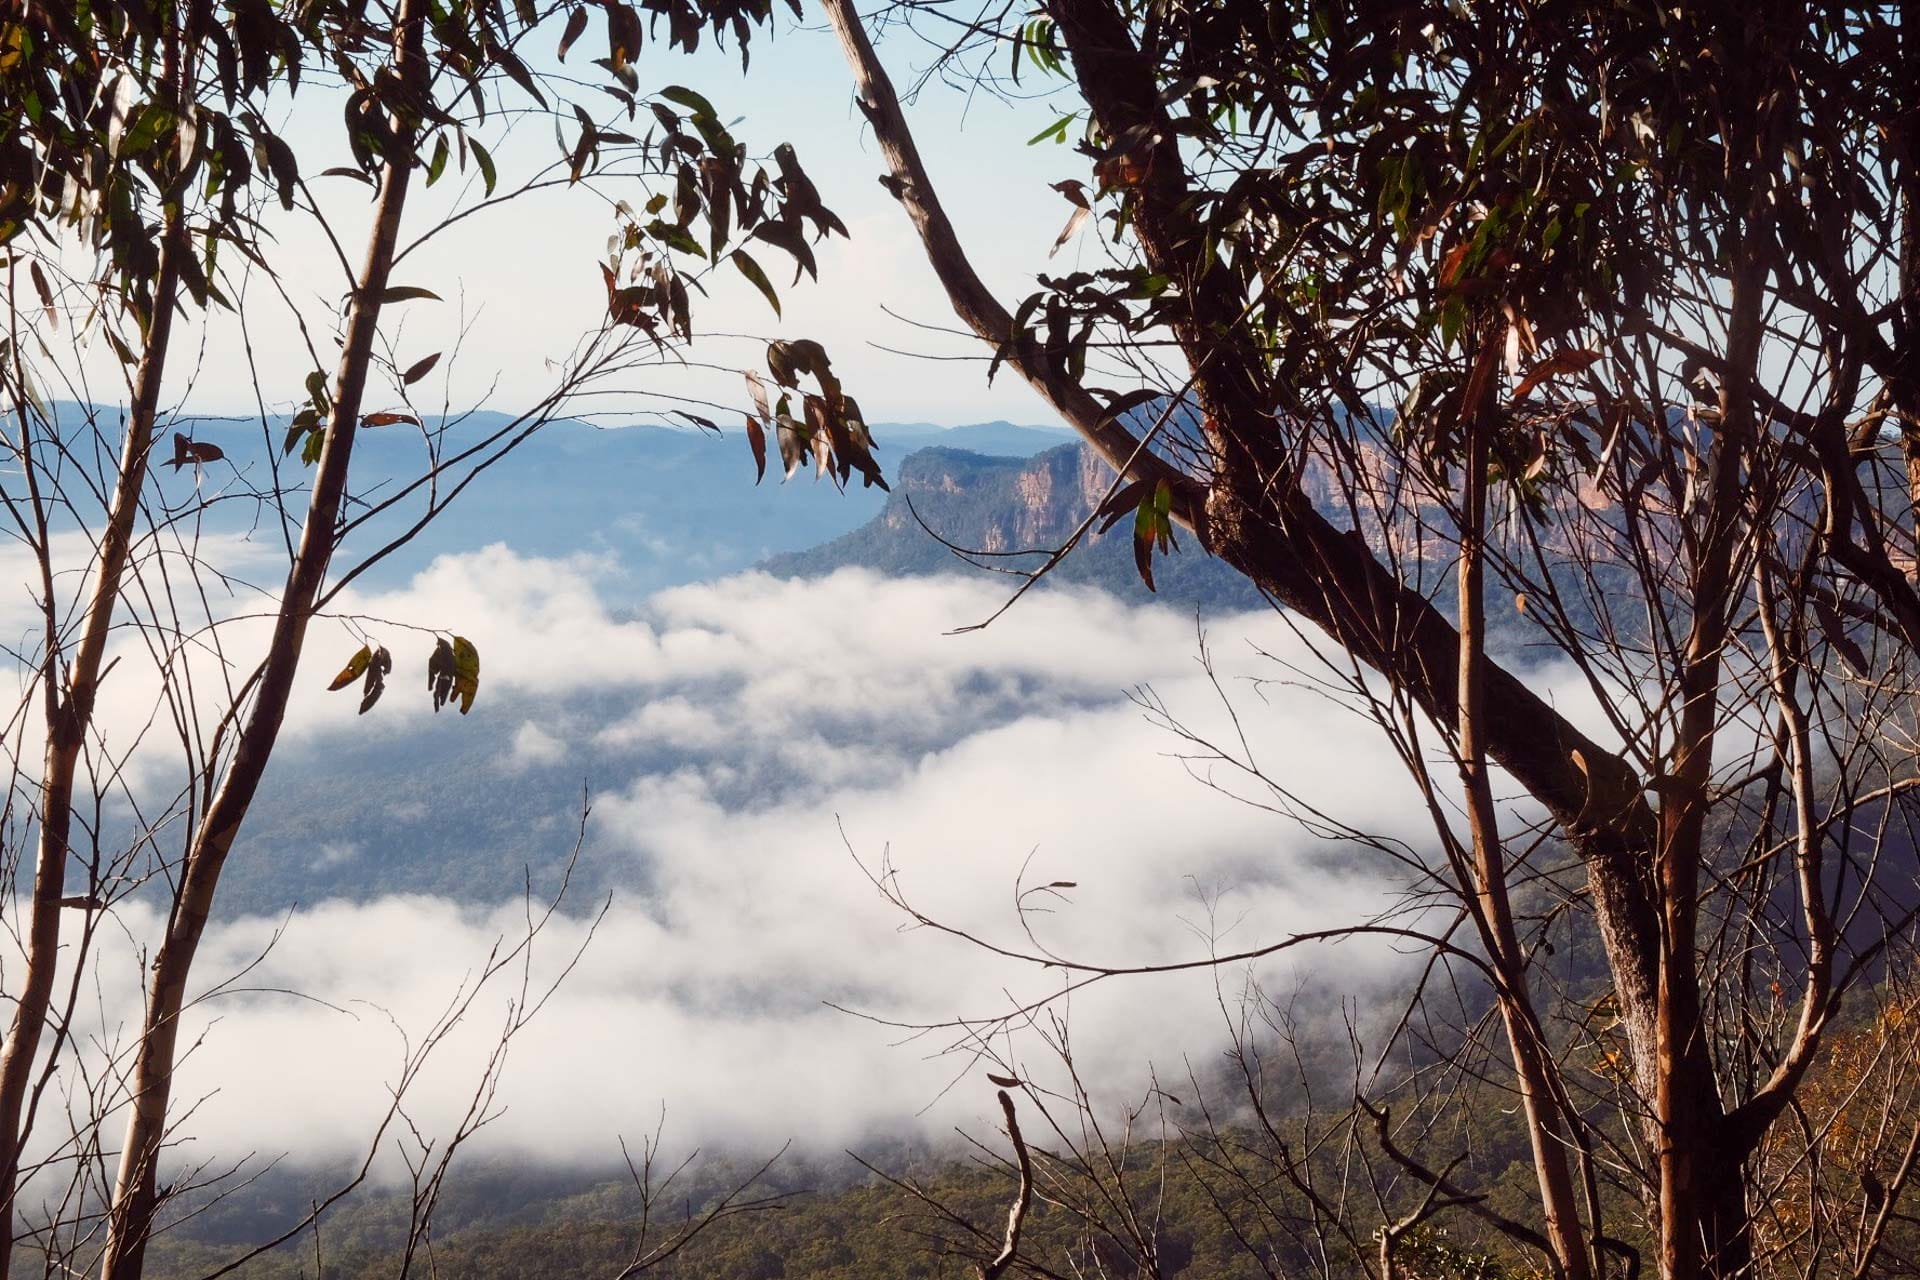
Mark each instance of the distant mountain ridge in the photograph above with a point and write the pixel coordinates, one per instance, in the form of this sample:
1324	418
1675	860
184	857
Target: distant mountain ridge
1014	511
665	505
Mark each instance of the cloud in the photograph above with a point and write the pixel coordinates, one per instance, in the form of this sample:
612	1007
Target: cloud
767	746
334	853
534	747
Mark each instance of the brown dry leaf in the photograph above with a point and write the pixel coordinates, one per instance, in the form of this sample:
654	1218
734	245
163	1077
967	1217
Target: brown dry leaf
1572	360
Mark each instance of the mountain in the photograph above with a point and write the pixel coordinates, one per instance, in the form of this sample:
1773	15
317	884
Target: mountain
1013	512
666	505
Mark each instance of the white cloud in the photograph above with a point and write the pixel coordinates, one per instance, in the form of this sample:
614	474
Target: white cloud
534	747
749	723
334	853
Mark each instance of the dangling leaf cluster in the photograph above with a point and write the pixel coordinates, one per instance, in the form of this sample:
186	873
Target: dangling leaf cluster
828	428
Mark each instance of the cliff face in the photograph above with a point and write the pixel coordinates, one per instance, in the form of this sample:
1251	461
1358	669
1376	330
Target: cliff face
1001	507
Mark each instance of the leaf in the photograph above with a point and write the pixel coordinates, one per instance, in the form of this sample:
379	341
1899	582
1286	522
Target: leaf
408	293
440	673
466	672
757	441
688	99
751	270
1074	222
576	26
192	451
1143	537
387	418
1057	131
46	294
1005	1082
758	390
355	668
453	673
347	171
482	158
378	665
1572	360
419	369
317	390
308	419
1124	499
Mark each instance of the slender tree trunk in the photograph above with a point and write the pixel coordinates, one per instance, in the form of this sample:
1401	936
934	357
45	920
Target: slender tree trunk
135	1198
69	712
1525	1040
1905	383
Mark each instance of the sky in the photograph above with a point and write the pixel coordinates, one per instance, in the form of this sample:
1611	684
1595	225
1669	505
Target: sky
522	280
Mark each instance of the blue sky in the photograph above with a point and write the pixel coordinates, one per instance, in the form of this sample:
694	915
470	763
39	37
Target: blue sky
523	279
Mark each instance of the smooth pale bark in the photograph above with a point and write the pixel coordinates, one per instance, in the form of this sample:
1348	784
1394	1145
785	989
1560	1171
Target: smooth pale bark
135	1196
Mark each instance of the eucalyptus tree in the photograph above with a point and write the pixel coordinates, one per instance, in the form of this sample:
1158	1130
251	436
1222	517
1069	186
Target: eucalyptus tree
139	146
1590	328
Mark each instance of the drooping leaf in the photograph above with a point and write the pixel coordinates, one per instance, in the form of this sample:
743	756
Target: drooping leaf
484	159
1143	537
440	673
419	369
355	668
576	27
757	442
379	664
758	278
466	672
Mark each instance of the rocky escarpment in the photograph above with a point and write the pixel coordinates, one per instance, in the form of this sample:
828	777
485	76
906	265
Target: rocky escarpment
1014	511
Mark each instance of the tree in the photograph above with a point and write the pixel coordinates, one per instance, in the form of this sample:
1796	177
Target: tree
136	130
1602	315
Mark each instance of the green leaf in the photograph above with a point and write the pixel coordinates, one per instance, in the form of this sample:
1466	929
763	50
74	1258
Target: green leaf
688	99
751	270
407	293
1144	528
1057	131
485	161
439	162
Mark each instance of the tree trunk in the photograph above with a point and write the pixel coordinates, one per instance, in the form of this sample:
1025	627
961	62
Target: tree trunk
1493	910
135	1198
69	712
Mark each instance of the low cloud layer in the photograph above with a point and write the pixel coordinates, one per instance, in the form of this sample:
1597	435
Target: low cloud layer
760	747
